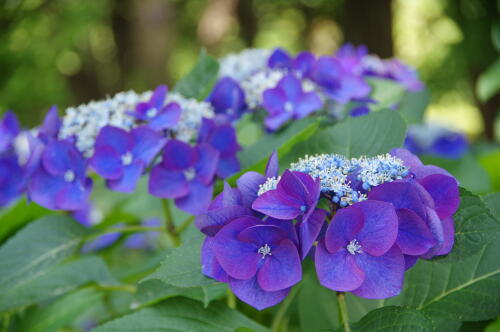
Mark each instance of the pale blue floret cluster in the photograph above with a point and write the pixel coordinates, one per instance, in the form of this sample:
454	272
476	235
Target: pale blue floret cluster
346	181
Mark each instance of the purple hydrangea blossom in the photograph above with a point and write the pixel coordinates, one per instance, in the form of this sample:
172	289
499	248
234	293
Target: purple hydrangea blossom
121	157
9	129
301	65
59	181
437	141
50	126
186	174
12	179
155	113
221	135
228	98
289	101
358	252
259	260
144	240
103	241
280	59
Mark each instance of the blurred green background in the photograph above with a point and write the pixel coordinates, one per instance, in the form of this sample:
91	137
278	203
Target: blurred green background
67	52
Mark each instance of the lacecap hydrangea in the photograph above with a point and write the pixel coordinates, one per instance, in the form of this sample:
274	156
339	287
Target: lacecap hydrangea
378	216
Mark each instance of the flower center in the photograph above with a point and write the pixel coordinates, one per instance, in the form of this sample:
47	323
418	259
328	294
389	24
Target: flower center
288	106
69	176
354	247
127	159
151	112
189	174
264	251
303	208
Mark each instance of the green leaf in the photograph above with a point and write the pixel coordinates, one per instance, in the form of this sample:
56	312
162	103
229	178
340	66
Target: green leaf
467	290
369	135
182	315
18	215
197	83
386	92
475	226
413	105
61	312
493	203
395	319
153	291
56	281
181	267
38	246
488	83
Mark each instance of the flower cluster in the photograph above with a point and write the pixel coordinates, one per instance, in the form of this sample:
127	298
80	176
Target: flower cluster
382	214
294	87
436	140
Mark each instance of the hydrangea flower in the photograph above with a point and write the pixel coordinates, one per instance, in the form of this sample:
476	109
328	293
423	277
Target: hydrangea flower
260	260
240	66
221	135
228	98
51	125
358	253
144	240
437	141
185	174
59	181
288	101
12	179
156	113
121	157
9	129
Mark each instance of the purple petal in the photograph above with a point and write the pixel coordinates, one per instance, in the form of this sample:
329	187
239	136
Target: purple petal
224	140
291	86
158	97
383	274
107	163
168	117
147	145
303	63
74	196
248	184
444	191
197	200
424	171
228	197
287	226
167	184
274	100
209	264
410	261
279	59
178	156
308	103
281	269
309	231
272	166
408	158
274	122
51	124
60	156
44	187
345	225
414	237
437	229
337	271
250	292
261	235
380	229
212	221
291	185
128	181
116	138
448	236
227	97
207	163
228	166
238	259
278	206
403	195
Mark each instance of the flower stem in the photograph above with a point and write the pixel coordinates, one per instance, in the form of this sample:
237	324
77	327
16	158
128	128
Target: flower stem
185	224
231	299
344	317
169	223
124	229
280	315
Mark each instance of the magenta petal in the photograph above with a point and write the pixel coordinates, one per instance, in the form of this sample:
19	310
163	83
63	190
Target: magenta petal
238	259
250	292
291	185
344	227
410	261
437	229
380	230
261	235
248	184
309	231
337	271
383	274
128	181
403	195
167	184
272	166
209	264
211	221
197	200
276	205
444	190
281	269
107	163
414	237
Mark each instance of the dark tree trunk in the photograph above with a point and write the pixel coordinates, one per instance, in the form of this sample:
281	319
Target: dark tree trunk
248	21
369	22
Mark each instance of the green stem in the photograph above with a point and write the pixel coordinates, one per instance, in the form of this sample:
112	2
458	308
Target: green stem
124	229
185	224
280	315
344	317
169	223
231	299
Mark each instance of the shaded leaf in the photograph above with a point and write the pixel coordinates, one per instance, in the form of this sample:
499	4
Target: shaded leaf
395	319
386	92
19	214
413	105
